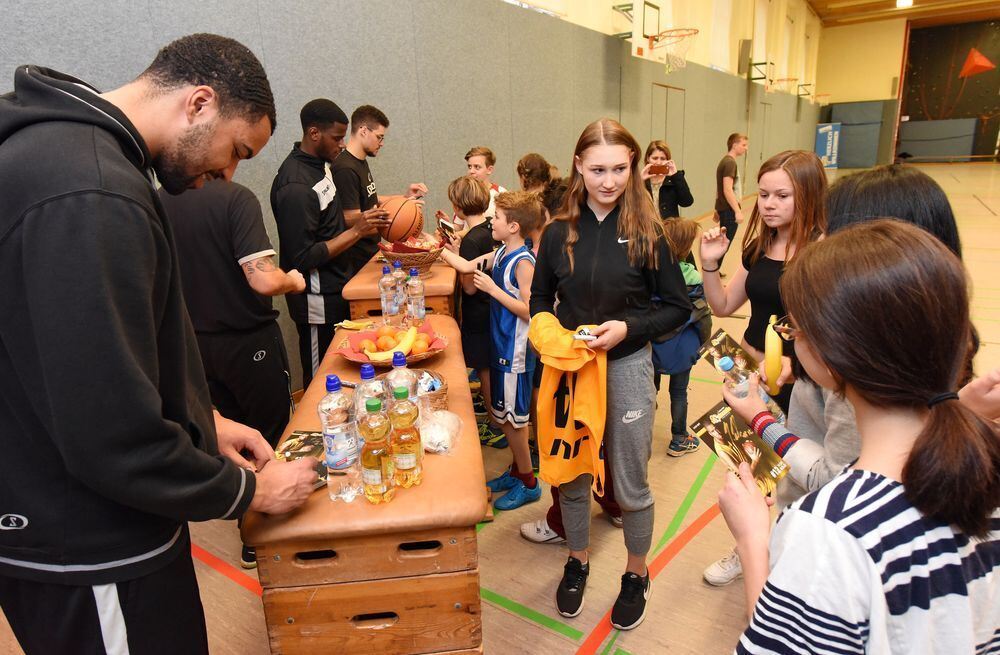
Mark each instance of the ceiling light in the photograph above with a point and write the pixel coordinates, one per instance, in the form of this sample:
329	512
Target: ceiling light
903	4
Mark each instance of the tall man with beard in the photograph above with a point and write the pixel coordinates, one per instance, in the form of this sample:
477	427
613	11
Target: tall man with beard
109	438
313	234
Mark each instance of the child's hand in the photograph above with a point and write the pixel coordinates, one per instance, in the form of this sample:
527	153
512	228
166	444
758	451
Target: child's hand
784	377
416	190
982	395
609	334
714	244
747	407
441	216
484	282
452	244
745	508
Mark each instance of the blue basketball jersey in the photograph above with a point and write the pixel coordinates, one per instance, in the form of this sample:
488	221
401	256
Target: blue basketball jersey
509	334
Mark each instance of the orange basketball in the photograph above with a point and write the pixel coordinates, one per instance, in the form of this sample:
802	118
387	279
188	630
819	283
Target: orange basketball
406	216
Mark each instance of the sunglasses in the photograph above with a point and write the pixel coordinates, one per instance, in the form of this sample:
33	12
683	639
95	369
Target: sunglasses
783	326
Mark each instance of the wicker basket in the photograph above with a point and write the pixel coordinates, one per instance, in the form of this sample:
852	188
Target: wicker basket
420	260
435	400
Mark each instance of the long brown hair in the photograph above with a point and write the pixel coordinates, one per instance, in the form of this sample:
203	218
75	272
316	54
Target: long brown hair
861	298
653	147
809	191
638	220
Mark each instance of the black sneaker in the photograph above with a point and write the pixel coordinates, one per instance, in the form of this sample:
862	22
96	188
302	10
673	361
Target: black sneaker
630	608
248	559
569	595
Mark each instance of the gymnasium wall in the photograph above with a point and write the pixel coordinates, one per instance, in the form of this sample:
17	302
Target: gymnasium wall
449	76
860	62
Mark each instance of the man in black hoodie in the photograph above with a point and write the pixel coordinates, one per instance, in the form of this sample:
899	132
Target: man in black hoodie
109	439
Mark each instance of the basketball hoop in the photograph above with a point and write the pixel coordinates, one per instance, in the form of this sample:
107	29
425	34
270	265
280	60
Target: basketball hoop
786	84
677	43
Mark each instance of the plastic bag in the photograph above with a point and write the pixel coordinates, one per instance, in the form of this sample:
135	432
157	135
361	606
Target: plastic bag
439	431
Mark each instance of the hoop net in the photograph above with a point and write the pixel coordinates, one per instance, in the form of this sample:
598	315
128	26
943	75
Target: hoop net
786	84
822	98
677	42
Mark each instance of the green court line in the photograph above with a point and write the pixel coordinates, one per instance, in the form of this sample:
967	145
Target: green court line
611	644
718	382
988	320
530	614
622	652
685	506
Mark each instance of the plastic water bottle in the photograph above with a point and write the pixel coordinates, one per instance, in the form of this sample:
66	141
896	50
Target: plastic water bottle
340	441
389	297
405	446
415	298
741	384
369	387
376	460
400	376
399	275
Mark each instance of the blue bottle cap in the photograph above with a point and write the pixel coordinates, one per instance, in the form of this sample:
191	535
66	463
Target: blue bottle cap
367	372
332	383
397	264
398	359
414	272
385	270
726	363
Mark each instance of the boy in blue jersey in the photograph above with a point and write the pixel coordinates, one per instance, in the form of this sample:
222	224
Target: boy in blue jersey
519	215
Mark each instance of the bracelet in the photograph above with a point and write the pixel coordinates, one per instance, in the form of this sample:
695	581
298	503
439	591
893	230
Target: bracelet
711	270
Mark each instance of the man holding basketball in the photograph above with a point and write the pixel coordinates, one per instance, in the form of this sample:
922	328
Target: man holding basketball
314	236
354	179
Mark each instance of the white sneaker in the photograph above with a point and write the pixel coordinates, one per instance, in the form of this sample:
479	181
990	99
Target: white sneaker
723	572
539	532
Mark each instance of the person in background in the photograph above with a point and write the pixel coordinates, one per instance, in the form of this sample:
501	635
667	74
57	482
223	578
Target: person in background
229	275
480	163
728	190
605	257
900	553
110	442
355	184
313	234
669	189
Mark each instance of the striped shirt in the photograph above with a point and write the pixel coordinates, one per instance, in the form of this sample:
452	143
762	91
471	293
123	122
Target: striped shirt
855	568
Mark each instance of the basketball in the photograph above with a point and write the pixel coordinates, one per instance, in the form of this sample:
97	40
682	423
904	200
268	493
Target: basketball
406	219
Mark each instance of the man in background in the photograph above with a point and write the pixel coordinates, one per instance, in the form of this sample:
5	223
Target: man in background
727	185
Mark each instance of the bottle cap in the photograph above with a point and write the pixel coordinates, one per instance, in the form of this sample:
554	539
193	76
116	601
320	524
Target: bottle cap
385	269
399	393
332	383
726	363
414	272
373	405
367	372
398	359
397	264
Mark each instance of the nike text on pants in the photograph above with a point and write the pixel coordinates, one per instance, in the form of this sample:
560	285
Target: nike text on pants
628	434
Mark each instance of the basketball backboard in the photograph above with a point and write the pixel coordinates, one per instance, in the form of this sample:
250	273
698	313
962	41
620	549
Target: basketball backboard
648	20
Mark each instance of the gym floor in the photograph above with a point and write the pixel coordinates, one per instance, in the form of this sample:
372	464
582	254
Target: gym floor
684	614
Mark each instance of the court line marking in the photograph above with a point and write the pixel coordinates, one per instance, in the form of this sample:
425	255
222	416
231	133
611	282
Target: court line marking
223	567
534	616
603	628
988	208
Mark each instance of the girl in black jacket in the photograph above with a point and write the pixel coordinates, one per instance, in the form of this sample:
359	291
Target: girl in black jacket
606	257
670	191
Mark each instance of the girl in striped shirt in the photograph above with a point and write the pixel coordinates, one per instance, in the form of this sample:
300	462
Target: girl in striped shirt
901	552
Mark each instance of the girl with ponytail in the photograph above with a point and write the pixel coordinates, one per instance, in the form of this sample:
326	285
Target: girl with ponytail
901	552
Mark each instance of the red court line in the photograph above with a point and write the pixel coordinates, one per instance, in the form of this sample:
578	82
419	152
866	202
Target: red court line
228	570
603	628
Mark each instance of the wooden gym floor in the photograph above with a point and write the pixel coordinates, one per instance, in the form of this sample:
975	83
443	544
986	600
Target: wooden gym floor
518	578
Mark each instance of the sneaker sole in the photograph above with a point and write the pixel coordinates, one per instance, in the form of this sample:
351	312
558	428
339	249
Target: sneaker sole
248	565
552	540
567	614
645	596
682	453
721	583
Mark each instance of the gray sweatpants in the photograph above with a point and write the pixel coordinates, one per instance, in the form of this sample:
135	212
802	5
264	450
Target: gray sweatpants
628	440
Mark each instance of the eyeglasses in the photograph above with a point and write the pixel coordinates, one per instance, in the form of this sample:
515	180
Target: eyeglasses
380	137
783	326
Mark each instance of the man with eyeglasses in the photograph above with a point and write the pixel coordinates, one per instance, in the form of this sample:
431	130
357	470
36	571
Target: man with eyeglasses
354	181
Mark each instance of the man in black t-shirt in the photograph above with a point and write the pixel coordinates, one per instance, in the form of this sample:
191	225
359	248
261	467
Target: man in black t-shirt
228	273
313	234
354	179
727	188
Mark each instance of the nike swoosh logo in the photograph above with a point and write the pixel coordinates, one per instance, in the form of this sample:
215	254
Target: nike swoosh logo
622	240
632	417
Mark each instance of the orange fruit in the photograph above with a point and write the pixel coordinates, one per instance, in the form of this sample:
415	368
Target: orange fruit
367	346
386	331
386	343
422	336
419	347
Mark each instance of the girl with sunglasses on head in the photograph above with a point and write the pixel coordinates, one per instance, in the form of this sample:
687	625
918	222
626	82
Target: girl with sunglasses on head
900	553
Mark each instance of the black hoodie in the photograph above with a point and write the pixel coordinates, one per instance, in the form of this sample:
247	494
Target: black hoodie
106	432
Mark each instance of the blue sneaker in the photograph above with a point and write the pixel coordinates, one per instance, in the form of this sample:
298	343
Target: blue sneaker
502	483
518	495
683	447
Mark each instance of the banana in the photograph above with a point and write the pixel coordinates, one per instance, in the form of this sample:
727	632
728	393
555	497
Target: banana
404	346
356	325
772	356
